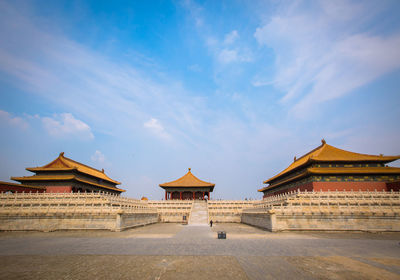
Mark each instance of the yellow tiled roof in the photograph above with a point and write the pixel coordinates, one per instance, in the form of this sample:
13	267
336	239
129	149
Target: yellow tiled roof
101	186
188	180
302	174
328	153
62	178
62	163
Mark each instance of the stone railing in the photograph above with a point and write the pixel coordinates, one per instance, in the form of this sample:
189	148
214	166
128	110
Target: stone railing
338	210
172	211
53	211
328	199
228	211
69	202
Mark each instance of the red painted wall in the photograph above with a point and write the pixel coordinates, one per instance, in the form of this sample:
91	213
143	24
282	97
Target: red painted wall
395	186
348	186
340	186
58	189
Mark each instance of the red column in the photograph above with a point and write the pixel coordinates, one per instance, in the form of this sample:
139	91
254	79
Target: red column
165	195
203	195
180	194
194	196
209	196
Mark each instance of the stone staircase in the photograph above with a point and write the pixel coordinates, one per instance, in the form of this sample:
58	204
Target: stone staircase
199	215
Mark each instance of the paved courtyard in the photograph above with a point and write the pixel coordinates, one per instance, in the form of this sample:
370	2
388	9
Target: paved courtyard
174	251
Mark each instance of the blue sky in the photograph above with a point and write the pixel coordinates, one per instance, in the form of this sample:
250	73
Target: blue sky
232	89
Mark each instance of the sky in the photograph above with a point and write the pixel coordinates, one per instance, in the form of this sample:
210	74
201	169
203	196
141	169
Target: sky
232	89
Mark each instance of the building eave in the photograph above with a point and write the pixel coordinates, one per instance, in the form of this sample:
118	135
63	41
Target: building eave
62	178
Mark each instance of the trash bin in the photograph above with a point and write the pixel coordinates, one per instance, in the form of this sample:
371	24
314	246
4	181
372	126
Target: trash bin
221	235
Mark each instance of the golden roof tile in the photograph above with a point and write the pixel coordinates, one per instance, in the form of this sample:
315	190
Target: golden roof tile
328	153
62	163
187	180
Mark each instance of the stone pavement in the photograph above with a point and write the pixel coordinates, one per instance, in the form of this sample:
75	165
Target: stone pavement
174	251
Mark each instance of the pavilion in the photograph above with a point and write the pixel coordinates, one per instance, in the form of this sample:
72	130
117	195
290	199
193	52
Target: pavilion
327	168
188	187
66	175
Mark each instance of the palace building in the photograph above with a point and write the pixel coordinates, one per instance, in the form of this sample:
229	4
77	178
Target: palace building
188	187
66	175
327	168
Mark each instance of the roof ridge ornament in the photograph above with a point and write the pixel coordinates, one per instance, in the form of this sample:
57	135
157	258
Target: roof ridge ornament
323	141
294	158
189	169
102	170
61	154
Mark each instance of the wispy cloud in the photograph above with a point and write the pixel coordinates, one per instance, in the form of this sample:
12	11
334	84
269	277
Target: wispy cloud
156	128
195	68
13	121
224	126
227	56
326	52
231	37
98	157
65	125
85	82
224	49
195	11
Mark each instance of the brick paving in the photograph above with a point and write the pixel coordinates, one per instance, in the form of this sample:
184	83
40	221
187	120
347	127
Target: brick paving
174	251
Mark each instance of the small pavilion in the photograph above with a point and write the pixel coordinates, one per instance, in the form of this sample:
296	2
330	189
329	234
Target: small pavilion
188	187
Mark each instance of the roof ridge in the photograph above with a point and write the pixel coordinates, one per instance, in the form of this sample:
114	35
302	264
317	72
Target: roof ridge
50	163
327	152
197	178
313	150
81	167
189	175
371	155
64	157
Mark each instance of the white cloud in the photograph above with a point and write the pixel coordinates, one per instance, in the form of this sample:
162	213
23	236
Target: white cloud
87	83
13	121
61	125
224	50
98	157
194	11
156	128
231	37
195	68
227	56
324	52
64	125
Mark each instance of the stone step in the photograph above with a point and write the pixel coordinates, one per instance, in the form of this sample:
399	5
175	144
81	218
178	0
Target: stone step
199	215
